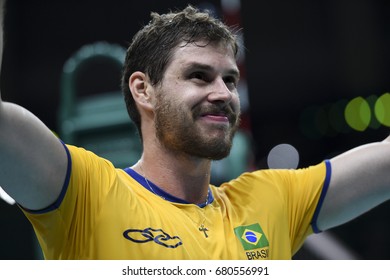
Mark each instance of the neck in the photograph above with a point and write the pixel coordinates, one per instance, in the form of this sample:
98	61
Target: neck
181	176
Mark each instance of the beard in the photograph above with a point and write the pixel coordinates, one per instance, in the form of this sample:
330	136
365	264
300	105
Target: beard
178	131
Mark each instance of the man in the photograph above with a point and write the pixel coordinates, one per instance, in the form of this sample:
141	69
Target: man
179	83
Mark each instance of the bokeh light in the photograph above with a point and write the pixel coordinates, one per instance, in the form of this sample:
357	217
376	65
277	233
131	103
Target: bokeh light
314	122
382	109
283	156
358	113
372	99
336	116
344	116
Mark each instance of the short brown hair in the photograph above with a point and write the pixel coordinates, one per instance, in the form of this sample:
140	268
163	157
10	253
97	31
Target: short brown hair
152	47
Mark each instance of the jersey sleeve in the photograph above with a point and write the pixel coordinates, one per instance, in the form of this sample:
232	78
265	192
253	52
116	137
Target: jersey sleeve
64	227
303	191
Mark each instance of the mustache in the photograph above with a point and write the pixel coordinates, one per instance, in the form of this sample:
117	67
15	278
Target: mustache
214	109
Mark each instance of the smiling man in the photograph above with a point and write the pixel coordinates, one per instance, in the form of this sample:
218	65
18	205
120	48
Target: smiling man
180	87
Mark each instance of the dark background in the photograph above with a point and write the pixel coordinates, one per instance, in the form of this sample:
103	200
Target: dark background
299	55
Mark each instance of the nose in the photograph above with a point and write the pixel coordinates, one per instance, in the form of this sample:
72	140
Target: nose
220	92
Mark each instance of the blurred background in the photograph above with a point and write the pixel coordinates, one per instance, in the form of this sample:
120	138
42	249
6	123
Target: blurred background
315	82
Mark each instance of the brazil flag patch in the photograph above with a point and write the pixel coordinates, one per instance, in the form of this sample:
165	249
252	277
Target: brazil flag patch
251	237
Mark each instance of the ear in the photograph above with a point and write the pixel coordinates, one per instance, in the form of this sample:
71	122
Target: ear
141	89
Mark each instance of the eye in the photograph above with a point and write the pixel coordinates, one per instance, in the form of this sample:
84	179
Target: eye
201	76
231	82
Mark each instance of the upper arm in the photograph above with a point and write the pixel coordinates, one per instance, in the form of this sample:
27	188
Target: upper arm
360	181
33	160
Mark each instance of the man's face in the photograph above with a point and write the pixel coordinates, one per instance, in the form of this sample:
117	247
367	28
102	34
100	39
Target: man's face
197	104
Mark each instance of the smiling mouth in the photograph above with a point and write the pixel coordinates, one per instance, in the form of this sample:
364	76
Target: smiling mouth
216	118
215	114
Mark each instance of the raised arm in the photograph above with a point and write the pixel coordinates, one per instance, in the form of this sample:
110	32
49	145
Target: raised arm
360	181
2	4
32	160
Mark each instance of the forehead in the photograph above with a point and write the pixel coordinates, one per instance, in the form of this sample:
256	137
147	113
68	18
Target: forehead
218	56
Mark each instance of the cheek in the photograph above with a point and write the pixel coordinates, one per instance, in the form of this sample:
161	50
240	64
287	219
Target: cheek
235	103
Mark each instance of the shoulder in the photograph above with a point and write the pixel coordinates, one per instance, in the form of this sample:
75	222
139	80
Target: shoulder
279	180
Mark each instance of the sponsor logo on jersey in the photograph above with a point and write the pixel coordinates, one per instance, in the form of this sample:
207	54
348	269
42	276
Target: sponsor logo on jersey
152	235
253	240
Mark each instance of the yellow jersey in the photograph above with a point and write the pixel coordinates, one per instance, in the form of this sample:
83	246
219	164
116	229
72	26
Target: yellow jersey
109	213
